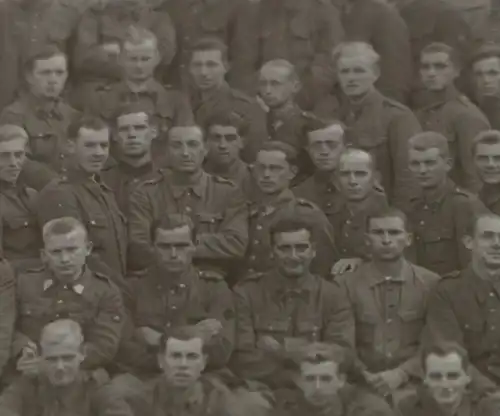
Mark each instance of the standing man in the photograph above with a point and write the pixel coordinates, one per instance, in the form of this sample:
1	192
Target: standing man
215	205
210	94
441	215
388	297
486	150
450	113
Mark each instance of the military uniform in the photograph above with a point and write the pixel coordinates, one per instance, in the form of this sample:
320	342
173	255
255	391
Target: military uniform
8	312
238	172
215	205
454	116
382	127
438	226
312	310
93	301
303	33
390	315
89	200
320	189
21	239
227	100
378	24
47	126
163	303
33	396
264	214
490	196
490	106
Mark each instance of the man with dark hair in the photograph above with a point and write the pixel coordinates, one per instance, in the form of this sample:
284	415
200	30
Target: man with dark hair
174	294
446	386
446	111
274	169
43	114
81	194
388	297
320	372
285	306
486	152
440	216
210	94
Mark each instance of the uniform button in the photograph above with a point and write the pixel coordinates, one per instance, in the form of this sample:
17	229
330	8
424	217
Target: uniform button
65	287
492	310
168	324
92	222
182	285
188	209
174	307
492	327
259	227
329	205
172	291
256	242
387	278
60	301
26	224
57	315
348	222
252	258
389	321
422	222
492	294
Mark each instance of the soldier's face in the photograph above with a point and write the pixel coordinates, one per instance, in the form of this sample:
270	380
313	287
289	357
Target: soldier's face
445	378
437	71
487	159
486	74
387	238
183	362
429	167
61	361
65	254
186	148
276	86
356	176
134	135
12	158
48	77
293	252
324	148
139	61
174	249
207	69
320	382
272	171
485	243
357	75
223	144
90	149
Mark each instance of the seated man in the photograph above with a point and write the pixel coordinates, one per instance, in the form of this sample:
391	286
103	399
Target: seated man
320	372
174	294
445	389
61	387
286	305
67	288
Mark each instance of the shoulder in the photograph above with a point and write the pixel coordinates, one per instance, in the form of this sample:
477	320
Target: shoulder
360	400
250	281
305	204
426	276
220	181
461	195
211	276
154	180
103	280
56	187
29	276
410	405
395	106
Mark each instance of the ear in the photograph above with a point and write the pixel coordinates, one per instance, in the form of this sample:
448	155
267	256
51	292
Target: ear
71	147
43	256
449	164
205	361
467	242
89	247
409	239
159	361
293	170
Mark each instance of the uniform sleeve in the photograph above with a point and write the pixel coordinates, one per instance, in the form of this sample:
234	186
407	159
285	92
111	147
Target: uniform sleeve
56	202
36	175
231	239
15	398
7	311
106	402
167	38
403	126
104	335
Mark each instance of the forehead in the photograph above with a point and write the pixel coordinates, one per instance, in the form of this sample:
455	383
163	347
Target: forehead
329	134
488	224
293	237
488	149
431	153
183	134
272	156
146	46
74	238
429	57
69	345
275	72
213	55
450	362
389	223
355	161
189	345
13	145
131	119
54	62
218	129
89	135
323	368
177	235
358	61
493	62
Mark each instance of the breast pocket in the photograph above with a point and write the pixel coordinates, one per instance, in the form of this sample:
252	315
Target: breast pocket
277	328
19	231
438	246
366	328
473	330
412	323
309	330
98	230
207	222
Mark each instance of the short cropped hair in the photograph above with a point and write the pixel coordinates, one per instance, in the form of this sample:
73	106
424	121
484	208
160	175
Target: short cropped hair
355	49
85	122
172	222
277	146
40	54
62	226
132	108
488	137
227	119
442	349
430	140
137	35
315	123
210	44
282	63
438	47
183	333
10	132
192	126
471	225
289	224
355	151
57	332
485	51
389	212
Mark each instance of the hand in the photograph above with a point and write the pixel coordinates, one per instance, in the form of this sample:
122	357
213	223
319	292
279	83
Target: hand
269	344
209	328
392	379
151	336
345	265
29	362
112	49
259	99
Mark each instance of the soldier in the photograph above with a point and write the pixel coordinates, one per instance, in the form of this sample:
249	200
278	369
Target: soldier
211	95
215	205
174	294
274	168
486	76
476	14
8	314
21	242
225	137
43	114
99	38
133	136
445	388
388	297
67	288
320	373
377	23
81	194
285	306
450	113
374	122
60	382
303	33
441	214
486	150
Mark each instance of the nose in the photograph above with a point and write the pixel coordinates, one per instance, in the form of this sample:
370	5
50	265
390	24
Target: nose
60	364
385	238
222	144
173	252
352	179
496	240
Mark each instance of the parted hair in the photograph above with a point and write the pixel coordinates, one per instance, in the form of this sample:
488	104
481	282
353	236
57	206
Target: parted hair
489	137
131	108
137	35
388	212
316	123
183	333
171	222
485	51
355	49
227	118
438	47
442	349
10	132
430	140
210	43
40	53
289	224
282	63
85	121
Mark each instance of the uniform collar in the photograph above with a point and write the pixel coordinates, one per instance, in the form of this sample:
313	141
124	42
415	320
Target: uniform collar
281	284
288	111
170	399
372	98
432	99
430	406
135	171
198	187
376	277
436	196
198	98
226	171
269	206
372	199
78	286
151	86
44	108
490	194
76	175
164	280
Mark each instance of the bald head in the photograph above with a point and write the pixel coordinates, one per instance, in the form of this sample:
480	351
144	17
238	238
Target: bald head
62	332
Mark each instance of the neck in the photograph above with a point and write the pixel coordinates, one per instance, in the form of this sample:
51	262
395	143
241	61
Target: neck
187	178
359	99
431	194
137	85
73	278
390	268
206	93
450	409
284	108
136	162
268	199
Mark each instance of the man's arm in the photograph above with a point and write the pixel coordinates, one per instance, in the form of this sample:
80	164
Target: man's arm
7	311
